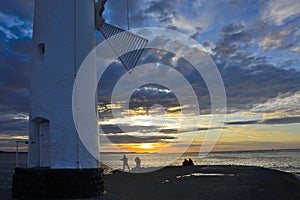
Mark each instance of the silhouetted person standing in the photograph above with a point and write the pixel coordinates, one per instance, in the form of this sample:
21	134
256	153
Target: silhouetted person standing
138	163
125	163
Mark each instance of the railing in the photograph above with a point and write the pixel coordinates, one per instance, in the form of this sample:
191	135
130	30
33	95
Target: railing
17	150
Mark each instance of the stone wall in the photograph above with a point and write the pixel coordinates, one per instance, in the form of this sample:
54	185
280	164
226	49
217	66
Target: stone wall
57	183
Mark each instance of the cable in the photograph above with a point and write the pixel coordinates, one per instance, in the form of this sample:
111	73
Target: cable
127	14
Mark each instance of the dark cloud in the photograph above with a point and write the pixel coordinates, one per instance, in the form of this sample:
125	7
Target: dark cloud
147	98
271	121
234	39
243	122
114	129
162	11
21	8
14	79
245	87
15	45
169	131
232	29
124	139
210	128
13	122
172	131
21	46
284	120
116	13
250	78
197	34
154	13
154	94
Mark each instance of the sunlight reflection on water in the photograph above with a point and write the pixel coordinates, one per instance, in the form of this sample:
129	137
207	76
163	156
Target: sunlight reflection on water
204	174
284	160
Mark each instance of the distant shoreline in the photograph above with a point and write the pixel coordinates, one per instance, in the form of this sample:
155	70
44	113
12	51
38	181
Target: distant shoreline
240	151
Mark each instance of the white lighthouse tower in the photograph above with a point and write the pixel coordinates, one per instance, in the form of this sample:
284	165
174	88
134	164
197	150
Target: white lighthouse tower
59	165
63	36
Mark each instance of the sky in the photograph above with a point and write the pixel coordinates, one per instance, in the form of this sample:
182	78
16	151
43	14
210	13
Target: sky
254	44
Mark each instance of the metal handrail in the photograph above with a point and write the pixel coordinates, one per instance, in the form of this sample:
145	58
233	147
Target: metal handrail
17	149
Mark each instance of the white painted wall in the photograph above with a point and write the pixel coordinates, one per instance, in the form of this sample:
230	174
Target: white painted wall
66	27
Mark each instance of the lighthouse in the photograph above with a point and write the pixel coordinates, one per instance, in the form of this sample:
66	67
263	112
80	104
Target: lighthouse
59	165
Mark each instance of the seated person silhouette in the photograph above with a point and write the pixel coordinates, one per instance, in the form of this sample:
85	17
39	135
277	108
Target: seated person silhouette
125	163
190	162
185	162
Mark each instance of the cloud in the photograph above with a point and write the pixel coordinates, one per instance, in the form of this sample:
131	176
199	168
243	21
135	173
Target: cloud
13	123
283	120
161	11
297	49
244	69
271	121
172	131
243	122
14	27
14	76
115	129
280	11
232	29
12	137
250	76
275	39
285	104
21	47
183	15
21	8
15	44
124	139
168	14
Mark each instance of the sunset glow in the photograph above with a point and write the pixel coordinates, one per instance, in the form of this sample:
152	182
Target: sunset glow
254	45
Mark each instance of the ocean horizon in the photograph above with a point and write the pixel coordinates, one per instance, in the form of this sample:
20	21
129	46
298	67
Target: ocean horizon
287	160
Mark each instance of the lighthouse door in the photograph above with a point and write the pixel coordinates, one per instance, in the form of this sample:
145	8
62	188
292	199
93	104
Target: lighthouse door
44	133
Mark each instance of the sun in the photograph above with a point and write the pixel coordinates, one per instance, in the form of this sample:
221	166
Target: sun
142	147
146	146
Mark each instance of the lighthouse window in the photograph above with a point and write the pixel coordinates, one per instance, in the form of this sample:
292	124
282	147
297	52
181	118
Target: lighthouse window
41	51
41	47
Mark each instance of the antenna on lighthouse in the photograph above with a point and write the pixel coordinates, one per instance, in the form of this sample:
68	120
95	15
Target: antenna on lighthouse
130	40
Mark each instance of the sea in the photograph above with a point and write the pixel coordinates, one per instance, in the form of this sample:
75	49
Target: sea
283	160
